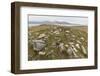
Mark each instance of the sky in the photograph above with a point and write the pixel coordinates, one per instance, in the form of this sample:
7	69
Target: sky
69	19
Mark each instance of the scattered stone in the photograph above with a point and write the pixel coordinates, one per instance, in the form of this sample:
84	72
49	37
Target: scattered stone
66	45
41	35
84	50
45	48
74	48
75	55
67	31
41	53
38	45
61	46
82	38
71	43
70	52
73	35
78	41
56	32
77	45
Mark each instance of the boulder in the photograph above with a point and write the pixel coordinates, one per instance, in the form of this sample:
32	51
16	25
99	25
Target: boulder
38	45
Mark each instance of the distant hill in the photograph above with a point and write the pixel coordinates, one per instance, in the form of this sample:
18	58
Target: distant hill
49	22
63	23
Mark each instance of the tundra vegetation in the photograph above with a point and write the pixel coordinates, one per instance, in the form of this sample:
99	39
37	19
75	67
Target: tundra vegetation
49	42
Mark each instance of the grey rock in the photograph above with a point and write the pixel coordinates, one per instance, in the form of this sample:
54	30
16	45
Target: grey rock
38	45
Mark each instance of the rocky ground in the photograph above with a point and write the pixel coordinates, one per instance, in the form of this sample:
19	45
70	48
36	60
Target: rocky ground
56	42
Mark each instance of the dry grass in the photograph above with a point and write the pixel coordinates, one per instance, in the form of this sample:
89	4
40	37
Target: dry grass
78	31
